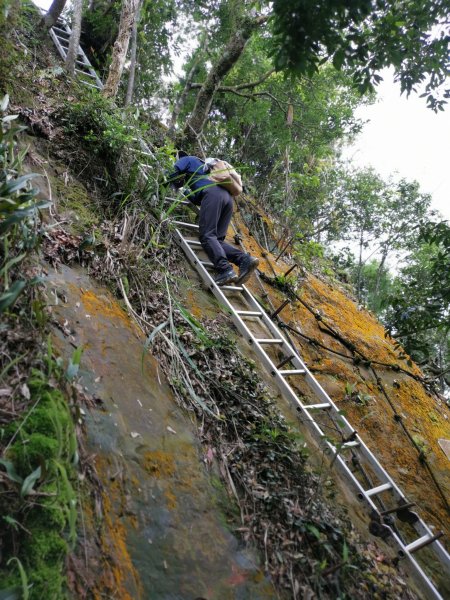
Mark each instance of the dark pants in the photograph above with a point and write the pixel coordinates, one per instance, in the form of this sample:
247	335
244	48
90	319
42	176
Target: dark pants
216	211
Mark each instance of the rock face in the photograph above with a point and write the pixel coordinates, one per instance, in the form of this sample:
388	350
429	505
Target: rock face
158	526
133	437
382	395
164	532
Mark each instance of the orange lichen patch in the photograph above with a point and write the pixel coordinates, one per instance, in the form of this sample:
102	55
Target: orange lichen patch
368	410
106	306
356	325
118	573
159	463
337	368
193	304
425	415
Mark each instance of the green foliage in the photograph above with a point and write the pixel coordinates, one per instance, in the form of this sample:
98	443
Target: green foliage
419	305
376	286
380	218
20	222
354	395
309	254
39	503
102	127
365	37
422	300
23	577
100	27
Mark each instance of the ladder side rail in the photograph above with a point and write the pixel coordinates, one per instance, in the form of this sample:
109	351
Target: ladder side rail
365	495
420	526
423	529
92	85
60	30
429	588
401	546
58	45
243	328
288	393
299	364
91	69
80	52
64	25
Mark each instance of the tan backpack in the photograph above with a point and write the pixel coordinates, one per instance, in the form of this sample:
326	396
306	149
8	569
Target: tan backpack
224	175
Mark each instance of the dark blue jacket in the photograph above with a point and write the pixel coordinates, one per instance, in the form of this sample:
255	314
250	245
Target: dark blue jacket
190	171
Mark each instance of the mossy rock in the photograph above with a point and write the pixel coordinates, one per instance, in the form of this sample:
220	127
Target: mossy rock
50	416
50	513
74	199
44	546
47	582
29	452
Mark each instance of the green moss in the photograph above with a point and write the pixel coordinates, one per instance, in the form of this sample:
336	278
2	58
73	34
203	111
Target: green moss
44	546
50	514
48	582
74	198
44	437
29	453
433	417
51	414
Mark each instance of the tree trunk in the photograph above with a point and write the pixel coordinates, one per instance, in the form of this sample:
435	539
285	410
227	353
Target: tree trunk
119	54
380	272
360	266
53	13
74	41
131	77
232	52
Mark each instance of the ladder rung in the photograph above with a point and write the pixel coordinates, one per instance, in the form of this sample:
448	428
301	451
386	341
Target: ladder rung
85	73
187	225
61	30
423	541
268	341
352	444
90	84
79	51
193	242
249	313
206	263
317	406
289	372
232	288
377	490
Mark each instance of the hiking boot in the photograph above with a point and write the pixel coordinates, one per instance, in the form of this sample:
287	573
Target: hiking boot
248	265
226	277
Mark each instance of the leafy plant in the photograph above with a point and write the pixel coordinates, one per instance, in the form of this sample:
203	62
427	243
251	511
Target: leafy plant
38	499
20	222
100	125
352	393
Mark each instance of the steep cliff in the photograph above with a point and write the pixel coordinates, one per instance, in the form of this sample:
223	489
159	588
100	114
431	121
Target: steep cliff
202	480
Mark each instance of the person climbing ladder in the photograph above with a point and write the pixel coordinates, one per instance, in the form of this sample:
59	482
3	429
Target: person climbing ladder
216	209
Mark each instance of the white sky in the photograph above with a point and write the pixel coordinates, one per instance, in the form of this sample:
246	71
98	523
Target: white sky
404	136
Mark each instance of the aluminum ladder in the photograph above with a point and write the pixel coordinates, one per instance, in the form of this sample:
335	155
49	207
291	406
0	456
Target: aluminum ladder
60	34
350	449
